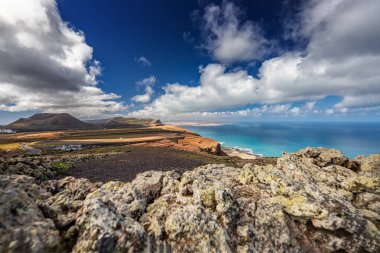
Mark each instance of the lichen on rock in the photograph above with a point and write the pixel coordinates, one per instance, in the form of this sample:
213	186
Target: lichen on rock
315	200
23	227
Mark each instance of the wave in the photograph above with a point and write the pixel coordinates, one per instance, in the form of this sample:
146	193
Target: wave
246	150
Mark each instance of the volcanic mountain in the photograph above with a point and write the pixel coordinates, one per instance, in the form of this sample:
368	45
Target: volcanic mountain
65	121
123	122
49	122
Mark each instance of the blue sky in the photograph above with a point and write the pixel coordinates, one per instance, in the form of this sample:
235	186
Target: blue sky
191	60
133	29
121	31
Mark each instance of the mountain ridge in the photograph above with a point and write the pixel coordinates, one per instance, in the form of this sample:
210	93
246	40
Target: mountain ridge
49	121
124	122
65	121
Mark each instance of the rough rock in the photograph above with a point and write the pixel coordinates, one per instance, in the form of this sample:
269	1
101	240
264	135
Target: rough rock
23	227
323	157
40	168
368	166
40	218
108	221
67	197
315	200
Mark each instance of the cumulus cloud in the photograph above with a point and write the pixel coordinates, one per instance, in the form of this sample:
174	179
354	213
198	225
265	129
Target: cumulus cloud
87	101
228	39
144	98
148	83
342	58
45	64
268	111
143	61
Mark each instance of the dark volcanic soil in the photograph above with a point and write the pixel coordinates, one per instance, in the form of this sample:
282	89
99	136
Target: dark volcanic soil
124	167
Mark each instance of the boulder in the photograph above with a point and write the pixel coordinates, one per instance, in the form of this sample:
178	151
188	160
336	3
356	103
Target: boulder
23	227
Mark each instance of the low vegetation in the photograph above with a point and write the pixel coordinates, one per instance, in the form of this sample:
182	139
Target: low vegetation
62	167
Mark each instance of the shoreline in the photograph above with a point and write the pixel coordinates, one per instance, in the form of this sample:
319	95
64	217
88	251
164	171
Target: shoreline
186	139
238	152
242	153
194	123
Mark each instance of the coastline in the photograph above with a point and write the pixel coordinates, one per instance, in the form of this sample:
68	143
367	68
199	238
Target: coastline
194	123
272	139
93	201
163	177
238	152
244	154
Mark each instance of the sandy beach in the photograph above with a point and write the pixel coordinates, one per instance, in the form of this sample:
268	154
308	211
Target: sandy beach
230	151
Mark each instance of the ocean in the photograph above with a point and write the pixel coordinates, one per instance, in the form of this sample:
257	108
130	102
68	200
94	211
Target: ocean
271	138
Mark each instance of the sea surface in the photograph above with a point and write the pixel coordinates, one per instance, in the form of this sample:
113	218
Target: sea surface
271	138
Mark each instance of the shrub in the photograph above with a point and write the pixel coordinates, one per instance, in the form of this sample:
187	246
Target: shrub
62	167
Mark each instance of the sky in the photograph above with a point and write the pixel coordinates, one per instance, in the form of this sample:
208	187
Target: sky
244	60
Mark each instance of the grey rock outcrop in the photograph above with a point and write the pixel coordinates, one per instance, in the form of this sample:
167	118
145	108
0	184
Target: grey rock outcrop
23	227
315	200
41	168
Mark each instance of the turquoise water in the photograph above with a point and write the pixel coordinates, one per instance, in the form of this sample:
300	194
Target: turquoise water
271	138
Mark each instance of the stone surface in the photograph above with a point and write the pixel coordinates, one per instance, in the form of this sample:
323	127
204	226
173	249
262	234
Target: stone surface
23	227
67	197
315	200
40	168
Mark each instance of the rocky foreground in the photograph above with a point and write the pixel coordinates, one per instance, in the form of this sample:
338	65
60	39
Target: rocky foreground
315	200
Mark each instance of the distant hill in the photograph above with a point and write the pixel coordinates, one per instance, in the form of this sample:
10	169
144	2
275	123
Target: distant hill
49	122
65	121
123	122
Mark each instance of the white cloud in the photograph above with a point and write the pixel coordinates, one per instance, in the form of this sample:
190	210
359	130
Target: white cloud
143	61
145	98
268	111
87	101
342	59
227	39
310	105
45	64
148	83
359	100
